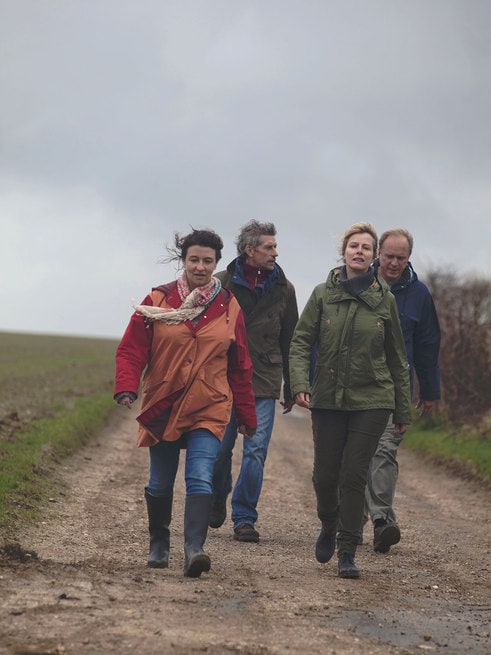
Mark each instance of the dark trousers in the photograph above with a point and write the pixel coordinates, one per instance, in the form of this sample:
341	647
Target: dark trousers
344	444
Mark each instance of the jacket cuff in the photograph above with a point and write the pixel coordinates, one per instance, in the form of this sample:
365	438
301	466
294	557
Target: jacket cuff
125	394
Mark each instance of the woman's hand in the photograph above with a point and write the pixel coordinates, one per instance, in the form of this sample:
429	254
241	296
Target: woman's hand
400	428
126	399
247	432
303	399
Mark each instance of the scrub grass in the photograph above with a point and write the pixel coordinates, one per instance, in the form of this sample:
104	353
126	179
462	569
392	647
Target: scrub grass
28	464
467	453
55	393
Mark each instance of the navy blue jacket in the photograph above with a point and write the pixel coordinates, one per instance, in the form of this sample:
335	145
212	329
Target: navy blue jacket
421	331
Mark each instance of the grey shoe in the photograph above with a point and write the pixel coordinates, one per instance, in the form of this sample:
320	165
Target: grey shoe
385	535
246	532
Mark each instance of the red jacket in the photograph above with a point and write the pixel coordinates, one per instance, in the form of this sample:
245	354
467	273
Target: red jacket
193	371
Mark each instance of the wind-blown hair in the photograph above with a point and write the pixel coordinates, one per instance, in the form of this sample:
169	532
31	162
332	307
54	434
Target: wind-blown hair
205	238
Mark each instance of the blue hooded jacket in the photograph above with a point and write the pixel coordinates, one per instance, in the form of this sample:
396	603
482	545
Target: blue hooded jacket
421	330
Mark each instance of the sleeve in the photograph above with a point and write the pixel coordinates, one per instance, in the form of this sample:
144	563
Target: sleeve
288	325
302	345
240	376
395	353
426	348
132	353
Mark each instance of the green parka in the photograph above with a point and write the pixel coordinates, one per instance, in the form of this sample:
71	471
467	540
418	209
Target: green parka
360	360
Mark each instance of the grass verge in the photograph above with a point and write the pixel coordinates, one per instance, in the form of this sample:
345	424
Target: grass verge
467	453
27	464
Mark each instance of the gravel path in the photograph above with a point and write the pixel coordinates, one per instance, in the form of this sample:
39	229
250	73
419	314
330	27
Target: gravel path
86	588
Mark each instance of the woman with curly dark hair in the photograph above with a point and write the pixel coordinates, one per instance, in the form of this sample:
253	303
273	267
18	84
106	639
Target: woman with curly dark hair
189	337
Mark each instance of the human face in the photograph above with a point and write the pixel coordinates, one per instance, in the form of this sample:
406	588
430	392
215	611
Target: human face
199	264
393	258
358	254
264	256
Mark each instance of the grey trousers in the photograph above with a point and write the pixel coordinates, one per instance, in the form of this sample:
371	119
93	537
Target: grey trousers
382	477
344	444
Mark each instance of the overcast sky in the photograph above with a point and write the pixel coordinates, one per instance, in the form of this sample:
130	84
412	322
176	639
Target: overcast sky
124	121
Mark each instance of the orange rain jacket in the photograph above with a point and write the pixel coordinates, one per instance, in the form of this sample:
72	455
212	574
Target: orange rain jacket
193	371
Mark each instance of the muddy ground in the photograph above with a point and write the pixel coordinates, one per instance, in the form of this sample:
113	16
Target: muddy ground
86	589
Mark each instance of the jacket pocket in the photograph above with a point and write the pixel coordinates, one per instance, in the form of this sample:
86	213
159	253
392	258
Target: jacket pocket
273	358
206	391
164	387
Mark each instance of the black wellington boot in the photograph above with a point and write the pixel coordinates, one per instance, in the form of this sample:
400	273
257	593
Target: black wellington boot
159	510
196	518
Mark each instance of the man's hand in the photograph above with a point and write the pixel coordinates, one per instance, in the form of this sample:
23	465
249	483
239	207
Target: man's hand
287	405
426	407
303	399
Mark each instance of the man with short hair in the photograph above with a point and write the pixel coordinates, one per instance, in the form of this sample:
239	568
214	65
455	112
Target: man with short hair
269	306
421	331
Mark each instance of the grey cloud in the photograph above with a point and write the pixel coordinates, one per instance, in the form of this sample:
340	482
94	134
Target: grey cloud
154	116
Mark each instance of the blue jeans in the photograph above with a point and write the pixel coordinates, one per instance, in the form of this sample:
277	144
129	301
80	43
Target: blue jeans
250	481
201	450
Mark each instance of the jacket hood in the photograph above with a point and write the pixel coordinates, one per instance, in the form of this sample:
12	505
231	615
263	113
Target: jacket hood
408	276
235	266
275	278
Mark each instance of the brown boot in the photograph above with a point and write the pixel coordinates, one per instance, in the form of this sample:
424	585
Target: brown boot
385	535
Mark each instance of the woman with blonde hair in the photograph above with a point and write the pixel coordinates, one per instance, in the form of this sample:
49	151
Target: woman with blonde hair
360	376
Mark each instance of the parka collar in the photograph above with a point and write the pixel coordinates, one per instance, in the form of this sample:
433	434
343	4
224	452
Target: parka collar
408	276
372	296
237	275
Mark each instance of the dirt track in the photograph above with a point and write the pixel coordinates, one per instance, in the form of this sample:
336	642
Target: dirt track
89	591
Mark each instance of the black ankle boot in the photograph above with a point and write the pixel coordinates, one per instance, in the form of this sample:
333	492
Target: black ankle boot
346	566
196	519
159	509
325	546
218	512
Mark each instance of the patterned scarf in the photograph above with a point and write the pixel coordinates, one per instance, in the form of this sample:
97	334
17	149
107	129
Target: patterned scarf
193	303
